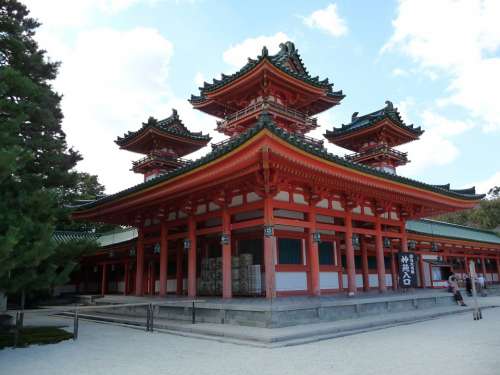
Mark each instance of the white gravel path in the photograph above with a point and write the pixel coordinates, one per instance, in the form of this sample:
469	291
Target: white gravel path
452	345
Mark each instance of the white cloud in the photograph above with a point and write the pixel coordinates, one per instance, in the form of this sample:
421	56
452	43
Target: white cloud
238	54
482	187
64	13
327	20
435	147
199	78
398	72
459	46
112	81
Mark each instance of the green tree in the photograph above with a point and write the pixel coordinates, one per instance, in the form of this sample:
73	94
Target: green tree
485	216
35	162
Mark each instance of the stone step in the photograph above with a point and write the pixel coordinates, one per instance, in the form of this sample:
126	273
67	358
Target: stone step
285	336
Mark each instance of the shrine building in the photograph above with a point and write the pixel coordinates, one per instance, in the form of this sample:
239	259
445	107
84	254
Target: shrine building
269	211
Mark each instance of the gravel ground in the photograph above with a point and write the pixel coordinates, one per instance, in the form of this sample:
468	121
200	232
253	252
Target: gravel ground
452	345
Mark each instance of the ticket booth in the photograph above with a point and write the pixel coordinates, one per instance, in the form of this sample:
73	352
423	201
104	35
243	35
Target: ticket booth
436	274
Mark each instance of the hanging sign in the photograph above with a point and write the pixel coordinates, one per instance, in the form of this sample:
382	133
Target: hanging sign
224	239
268	231
407	270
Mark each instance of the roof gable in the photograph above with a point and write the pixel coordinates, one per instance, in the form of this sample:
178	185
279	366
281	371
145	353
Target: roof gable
359	123
172	125
287	60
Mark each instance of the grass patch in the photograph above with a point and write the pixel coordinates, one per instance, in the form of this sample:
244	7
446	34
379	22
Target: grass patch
34	335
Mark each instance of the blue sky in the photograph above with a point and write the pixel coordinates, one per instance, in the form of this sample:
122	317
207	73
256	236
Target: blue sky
124	60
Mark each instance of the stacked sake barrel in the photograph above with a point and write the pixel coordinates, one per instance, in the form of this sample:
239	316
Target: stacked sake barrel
254	280
205	277
235	275
246	261
218	276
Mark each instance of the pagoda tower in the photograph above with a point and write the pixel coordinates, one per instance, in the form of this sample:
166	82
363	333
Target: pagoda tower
373	137
277	84
164	143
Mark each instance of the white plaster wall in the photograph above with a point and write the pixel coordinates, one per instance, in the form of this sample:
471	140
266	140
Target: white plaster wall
299	198
495	277
373	280
283	196
248	215
171	285
325	219
323	203
359	281
286	281
252	197
337	206
201	209
289	214
236	201
213	207
388	280
329	280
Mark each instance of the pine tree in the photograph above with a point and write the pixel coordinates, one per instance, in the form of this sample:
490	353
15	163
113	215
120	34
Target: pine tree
35	162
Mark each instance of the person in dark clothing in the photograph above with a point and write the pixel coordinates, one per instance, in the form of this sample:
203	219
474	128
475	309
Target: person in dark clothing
468	285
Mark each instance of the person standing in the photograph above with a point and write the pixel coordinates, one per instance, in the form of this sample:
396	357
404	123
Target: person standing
453	283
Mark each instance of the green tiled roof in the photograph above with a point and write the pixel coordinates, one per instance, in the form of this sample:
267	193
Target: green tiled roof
362	122
171	125
452	231
62	236
287	53
265	122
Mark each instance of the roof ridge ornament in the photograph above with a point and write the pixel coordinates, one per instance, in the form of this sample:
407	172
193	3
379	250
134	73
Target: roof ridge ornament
265	52
353	117
389	106
151	122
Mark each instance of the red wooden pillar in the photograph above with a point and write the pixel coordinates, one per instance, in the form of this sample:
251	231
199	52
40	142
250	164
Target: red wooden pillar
163	259
404	237
421	270
364	264
338	262
269	241
104	280
394	271
312	246
125	277
179	272
152	277
139	266
226	255
349	254
467	268
379	254
192	257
